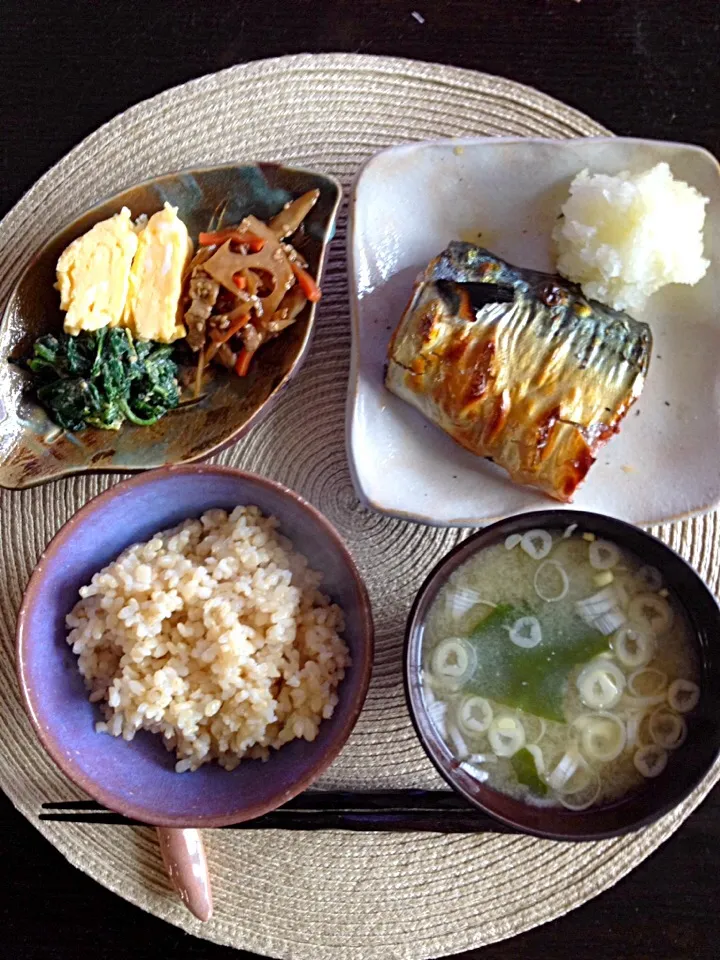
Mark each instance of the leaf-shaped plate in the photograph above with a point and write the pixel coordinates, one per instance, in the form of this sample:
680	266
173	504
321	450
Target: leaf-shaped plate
33	450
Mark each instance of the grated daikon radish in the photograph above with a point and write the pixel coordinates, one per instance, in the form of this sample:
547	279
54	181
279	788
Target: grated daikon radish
624	237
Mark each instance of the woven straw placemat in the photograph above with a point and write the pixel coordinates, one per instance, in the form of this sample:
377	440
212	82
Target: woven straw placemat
312	896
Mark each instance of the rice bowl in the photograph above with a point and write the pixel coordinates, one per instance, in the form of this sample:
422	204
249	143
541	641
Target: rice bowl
137	778
213	634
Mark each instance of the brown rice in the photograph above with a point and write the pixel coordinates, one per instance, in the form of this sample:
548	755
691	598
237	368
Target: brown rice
213	634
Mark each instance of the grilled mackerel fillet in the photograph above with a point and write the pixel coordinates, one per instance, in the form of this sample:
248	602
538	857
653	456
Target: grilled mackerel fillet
517	366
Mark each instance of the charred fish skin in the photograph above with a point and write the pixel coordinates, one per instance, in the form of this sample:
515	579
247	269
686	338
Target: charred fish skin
517	365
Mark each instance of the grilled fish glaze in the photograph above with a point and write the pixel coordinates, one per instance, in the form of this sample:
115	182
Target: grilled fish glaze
517	366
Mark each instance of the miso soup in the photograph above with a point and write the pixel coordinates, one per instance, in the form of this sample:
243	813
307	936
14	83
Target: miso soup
559	669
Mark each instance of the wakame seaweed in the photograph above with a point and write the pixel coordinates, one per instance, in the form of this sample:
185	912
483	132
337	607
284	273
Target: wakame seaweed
523	763
103	378
531	679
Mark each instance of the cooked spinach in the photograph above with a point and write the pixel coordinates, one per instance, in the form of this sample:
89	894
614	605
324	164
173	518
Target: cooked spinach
103	378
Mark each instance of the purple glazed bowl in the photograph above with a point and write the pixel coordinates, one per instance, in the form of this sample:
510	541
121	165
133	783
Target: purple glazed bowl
138	778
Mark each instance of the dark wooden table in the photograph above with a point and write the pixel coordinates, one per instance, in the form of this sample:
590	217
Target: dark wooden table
647	68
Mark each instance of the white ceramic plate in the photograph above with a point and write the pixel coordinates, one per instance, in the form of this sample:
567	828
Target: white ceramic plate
408	203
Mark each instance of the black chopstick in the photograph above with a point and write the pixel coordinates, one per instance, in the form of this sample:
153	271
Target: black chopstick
393	811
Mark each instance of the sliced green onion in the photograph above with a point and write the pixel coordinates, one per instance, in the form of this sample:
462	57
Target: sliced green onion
453	662
535	727
602	611
603	555
482	758
506	735
457	742
603	737
578	781
571	775
601	684
566	767
683	695
621	595
647	682
543	571
632	726
643	704
437	710
633	647
512	541
651	760
475	772
585	797
650	578
651	612
536	544
464	599
474	715
668	730
526	632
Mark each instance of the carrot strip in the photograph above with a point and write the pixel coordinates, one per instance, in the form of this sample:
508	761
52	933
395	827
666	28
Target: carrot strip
240	281
222	336
243	362
221	236
307	284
